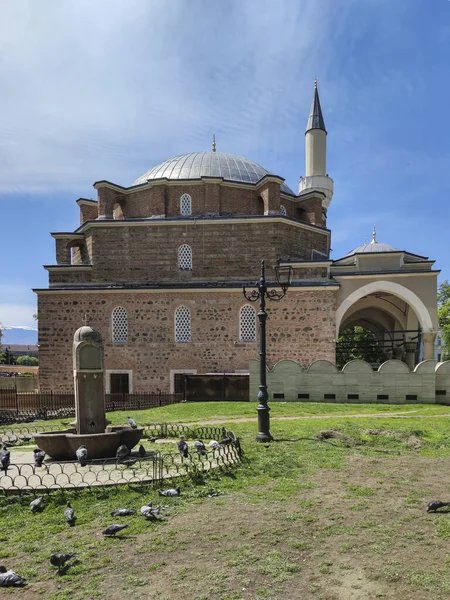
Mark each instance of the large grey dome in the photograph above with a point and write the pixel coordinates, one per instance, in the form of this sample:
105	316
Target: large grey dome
372	247
209	164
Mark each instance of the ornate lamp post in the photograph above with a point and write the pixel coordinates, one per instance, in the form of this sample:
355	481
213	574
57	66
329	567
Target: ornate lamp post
284	278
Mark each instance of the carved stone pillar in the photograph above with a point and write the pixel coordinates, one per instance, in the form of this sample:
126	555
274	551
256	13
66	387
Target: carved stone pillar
410	348
428	344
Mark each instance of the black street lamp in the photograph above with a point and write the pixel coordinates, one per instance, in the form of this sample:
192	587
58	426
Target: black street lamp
284	278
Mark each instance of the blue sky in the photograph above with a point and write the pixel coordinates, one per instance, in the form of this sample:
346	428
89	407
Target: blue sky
107	89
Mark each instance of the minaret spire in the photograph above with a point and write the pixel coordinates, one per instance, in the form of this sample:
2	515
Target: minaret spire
374	235
315	120
214	143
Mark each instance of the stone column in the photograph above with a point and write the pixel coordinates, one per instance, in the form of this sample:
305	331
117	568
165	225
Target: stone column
410	348
428	344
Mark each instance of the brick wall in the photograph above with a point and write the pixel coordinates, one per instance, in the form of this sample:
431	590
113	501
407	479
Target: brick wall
301	327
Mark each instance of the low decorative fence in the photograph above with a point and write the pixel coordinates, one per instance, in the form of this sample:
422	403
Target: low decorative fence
15	407
156	467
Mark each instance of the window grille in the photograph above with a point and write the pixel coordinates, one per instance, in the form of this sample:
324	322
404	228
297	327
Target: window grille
119	324
182	324
282	210
185	258
185	204
247	324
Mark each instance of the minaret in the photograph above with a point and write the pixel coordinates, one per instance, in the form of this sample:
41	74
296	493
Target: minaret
316	178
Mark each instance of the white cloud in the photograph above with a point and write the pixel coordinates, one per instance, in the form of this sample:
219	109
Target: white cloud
17	315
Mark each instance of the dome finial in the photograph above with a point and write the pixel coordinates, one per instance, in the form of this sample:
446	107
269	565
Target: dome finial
85	320
315	83
214	143
374	235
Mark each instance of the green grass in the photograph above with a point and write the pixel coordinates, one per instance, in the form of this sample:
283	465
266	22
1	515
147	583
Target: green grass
281	481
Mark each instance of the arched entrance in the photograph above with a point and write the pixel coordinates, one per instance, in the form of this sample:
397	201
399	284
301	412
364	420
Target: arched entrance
394	315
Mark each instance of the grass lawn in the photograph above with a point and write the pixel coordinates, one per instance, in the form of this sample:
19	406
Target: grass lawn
308	516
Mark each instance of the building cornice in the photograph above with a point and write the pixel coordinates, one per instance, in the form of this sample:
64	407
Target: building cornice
306	264
85	201
64	235
308	286
376	274
192	221
67	268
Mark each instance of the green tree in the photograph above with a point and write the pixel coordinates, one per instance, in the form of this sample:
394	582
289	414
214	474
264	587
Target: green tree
29	361
2	358
444	317
358	342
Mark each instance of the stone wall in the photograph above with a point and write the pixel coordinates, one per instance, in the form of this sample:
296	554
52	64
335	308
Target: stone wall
301	325
393	383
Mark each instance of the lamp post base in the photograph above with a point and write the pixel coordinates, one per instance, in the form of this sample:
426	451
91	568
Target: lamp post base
263	424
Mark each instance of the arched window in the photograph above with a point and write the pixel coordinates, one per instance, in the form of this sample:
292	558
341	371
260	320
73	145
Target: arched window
119	324
247	324
185	258
282	210
182	324
185	204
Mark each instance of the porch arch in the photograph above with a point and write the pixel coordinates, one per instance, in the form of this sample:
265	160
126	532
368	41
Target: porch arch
390	287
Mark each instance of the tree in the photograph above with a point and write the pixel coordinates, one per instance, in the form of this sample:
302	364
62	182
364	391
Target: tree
358	342
29	361
2	358
444	317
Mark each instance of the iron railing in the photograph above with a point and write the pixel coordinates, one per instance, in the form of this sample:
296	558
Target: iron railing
155	467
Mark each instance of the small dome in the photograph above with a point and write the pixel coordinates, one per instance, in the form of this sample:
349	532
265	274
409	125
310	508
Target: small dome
209	164
87	334
373	247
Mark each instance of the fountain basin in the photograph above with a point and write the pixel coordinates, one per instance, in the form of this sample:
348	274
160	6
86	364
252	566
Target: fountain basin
62	445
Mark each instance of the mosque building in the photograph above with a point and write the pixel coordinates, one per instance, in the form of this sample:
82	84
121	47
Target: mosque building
159	268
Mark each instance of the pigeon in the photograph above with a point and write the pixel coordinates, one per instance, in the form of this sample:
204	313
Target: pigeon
59	560
152	438
183	448
82	455
170	492
5	458
122	512
132	422
10	579
200	447
122	451
225	441
129	462
151	513
146	507
214	444
69	514
435	504
113	529
141	451
39	456
36	504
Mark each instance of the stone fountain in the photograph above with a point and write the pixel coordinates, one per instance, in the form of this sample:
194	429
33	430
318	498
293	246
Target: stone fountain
90	428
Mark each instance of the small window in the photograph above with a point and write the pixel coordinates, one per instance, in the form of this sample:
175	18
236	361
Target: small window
441	392
182	324
185	258
119	325
282	211
185	204
352	396
411	397
119	383
247	324
302	396
278	396
382	396
329	396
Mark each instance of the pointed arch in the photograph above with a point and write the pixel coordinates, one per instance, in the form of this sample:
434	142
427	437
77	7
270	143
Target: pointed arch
390	287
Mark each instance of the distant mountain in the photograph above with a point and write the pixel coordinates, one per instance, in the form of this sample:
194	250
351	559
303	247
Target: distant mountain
19	336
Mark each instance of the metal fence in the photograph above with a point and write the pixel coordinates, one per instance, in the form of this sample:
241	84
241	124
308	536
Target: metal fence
15	407
156	467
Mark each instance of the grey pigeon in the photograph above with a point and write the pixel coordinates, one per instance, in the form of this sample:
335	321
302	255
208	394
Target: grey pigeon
170	492
146	507
82	455
132	422
10	579
200	447
214	444
122	451
36	504
141	451
122	512
113	529
129	462
59	560
69	514
5	458
152	438
435	504
183	448
151	513
39	456
225	441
